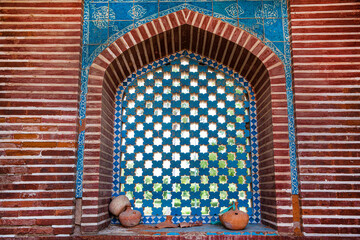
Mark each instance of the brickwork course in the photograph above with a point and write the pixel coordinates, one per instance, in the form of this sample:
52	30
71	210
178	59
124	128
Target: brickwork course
40	58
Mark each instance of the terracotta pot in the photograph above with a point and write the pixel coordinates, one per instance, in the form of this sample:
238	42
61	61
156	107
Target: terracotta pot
130	218
234	219
167	224
118	205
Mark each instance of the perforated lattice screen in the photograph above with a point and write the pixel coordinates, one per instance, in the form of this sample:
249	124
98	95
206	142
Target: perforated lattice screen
185	147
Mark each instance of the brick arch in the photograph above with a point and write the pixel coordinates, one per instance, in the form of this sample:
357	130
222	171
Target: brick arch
215	39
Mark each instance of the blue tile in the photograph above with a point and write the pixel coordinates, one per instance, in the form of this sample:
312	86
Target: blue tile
145	10
198	0
98	11
274	30
252	26
285	24
122	10
84	57
284	13
229	9
271	9
120	26
212	233
201	7
287	51
250	8
98	32
120	1
165	6
280	46
91	48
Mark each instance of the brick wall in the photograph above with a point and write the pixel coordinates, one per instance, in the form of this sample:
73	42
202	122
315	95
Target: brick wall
39	77
326	58
39	57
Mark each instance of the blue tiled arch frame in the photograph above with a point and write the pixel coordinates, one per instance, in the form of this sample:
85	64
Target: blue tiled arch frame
88	58
286	58
255	218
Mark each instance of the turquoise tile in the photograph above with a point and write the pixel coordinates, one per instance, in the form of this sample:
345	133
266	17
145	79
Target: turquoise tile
167	7
229	9
199	0
120	26
287	50
271	9
98	11
178	1
145	10
121	1
98	32
280	46
92	48
274	30
250	8
202	7
122	10
252	26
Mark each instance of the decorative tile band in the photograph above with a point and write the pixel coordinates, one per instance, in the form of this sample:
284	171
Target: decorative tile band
268	10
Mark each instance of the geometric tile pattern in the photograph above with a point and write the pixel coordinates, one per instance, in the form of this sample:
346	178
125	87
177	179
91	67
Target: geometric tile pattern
185	140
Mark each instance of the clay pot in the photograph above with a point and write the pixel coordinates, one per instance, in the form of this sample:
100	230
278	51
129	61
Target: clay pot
234	219
167	224
130	218
118	205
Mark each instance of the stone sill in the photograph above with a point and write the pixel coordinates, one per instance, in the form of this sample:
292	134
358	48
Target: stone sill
205	231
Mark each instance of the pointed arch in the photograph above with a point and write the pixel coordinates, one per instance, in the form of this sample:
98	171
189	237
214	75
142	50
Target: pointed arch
209	37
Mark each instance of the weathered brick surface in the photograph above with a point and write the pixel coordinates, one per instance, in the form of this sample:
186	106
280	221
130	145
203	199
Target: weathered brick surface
325	42
39	112
39	101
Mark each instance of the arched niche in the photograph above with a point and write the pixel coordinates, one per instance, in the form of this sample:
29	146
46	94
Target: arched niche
210	37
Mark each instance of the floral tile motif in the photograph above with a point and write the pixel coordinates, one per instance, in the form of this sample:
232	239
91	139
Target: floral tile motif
229	9
125	11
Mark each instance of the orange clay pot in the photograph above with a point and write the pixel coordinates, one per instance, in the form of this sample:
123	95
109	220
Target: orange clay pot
234	220
130	218
167	224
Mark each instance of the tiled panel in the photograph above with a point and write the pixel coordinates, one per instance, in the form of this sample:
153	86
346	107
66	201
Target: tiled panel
196	164
253	16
